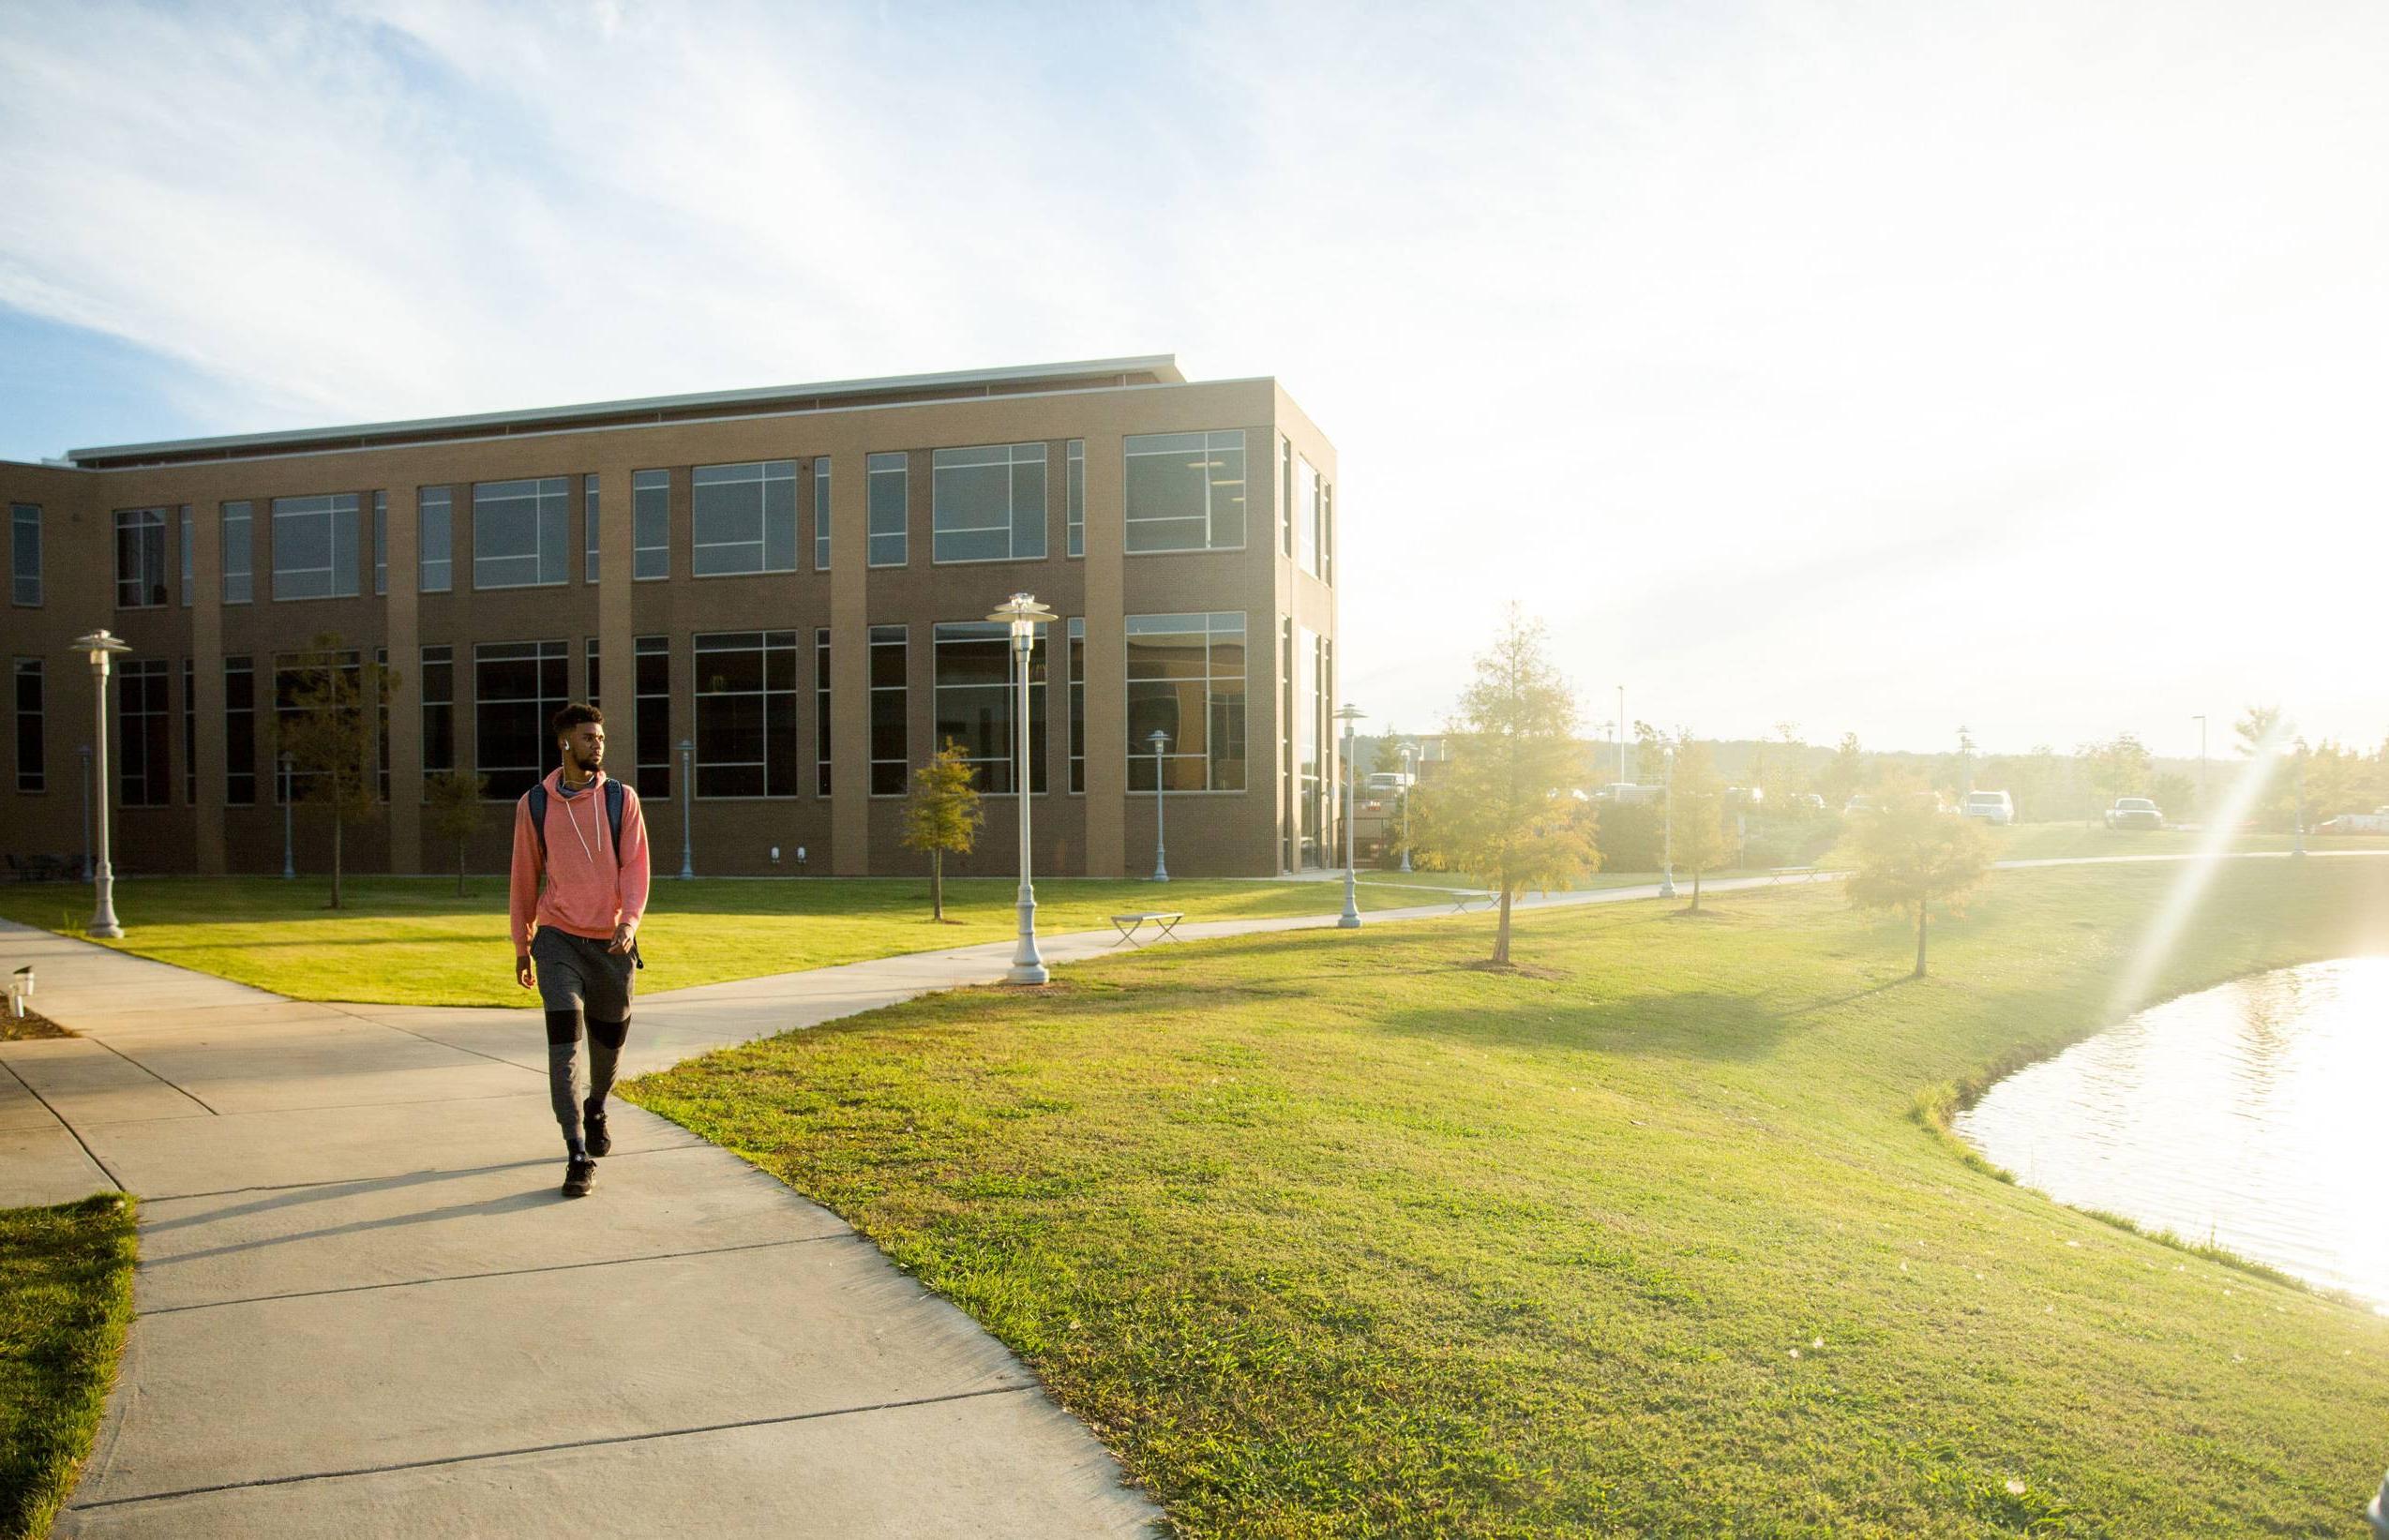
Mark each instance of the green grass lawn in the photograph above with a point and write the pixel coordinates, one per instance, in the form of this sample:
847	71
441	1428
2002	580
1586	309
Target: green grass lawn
412	941
66	1295
2052	842
1336	1234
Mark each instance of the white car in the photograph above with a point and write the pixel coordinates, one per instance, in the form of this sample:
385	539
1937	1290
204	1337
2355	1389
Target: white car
1991	807
2135	813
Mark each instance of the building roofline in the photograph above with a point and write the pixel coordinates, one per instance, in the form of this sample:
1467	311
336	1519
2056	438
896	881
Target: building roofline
1087	374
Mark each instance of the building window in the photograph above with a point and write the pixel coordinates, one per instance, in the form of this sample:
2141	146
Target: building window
745	713
1074	498
383	684
435	541
190	736
742	518
439	690
891	740
1307	515
887	481
240	732
1077	704
32	772
144	734
589	673
1186	491
653	754
293	673
987	504
140	558
183	540
234	532
1308	717
651	524
976	704
1186	677
589	530
1285	709
521	531
821	711
315	547
24	553
821	513
516	687
1327	533
1285	494
380	542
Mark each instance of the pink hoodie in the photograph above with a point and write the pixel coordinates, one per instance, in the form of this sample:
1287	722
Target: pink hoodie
589	888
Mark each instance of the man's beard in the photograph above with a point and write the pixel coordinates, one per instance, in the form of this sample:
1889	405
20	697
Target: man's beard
584	767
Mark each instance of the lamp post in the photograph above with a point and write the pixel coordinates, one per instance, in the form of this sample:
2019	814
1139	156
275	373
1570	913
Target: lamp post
285	764
1350	918
1621	735
1024	615
2201	720
1667	858
99	647
687	802
1160	740
86	751
1410	752
2297	829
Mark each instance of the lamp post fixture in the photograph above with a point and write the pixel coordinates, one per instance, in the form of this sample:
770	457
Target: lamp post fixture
1667	858
99	647
1350	918
1160	740
286	765
1024	615
2201	720
1409	753
85	752
687	802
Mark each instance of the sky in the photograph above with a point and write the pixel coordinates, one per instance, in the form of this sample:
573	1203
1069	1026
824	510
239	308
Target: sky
1874	367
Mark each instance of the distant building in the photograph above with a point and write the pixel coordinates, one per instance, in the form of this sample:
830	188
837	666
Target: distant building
793	580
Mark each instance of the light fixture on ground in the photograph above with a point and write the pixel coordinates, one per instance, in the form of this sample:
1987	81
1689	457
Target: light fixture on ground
1667	855
286	764
1410	754
99	645
687	800
1024	615
1160	740
1350	918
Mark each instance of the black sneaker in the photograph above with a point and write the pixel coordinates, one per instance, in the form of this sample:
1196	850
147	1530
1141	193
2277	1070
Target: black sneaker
593	1131
578	1176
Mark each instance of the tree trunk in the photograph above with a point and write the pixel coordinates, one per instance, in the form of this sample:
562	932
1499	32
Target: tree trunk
335	858
937	886
1501	931
1920	940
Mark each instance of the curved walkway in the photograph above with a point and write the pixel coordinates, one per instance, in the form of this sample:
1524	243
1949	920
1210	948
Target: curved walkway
364	1310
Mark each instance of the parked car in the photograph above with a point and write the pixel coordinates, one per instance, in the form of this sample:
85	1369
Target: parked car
2375	822
1860	803
2135	813
1386	783
1991	807
1808	799
1627	792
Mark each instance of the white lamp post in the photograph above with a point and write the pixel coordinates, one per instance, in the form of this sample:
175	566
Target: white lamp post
1024	615
1667	858
1350	918
1160	740
688	802
290	788
1409	753
99	647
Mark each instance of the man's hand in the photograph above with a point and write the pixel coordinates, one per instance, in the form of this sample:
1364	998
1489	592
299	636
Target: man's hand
620	944
522	969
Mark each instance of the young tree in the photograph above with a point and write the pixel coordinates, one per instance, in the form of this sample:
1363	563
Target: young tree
332	738
1696	806
942	815
1911	855
454	798
1842	774
2118	766
1505	804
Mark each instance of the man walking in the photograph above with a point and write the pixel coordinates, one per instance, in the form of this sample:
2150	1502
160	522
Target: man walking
583	834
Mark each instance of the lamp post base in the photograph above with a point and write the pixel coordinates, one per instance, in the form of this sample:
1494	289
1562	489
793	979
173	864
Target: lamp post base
103	910
1027	966
1667	883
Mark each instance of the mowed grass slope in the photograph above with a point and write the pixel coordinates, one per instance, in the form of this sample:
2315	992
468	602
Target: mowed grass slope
412	941
65	1296
1339	1235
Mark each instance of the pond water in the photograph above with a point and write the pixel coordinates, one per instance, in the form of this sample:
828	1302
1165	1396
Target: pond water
2250	1116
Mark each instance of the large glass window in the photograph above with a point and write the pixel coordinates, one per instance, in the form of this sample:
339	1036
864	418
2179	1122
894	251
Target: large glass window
140	558
1307	515
976	702
183	542
888	483
651	524
821	711
144	734
890	737
1074	498
1327	531
32	766
745	713
240	732
521	531
589	529
652	763
821	513
435	540
742	518
383	685
1186	677
1077	704
1310	716
238	585
315	547
987	504
190	736
1186	491
1285	494
24	553
295	672
380	542
439	691
516	687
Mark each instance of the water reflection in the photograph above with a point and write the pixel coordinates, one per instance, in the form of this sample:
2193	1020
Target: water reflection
2246	1115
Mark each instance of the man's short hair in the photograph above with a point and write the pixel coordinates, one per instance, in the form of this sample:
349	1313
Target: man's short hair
572	716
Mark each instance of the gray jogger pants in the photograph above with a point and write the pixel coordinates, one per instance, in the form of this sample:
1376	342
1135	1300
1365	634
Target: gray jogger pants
580	984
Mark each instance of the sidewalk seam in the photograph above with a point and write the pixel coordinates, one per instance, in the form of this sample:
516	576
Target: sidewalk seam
73	1132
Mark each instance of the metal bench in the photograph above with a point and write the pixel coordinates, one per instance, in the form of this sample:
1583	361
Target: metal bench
1164	921
1482	898
1776	874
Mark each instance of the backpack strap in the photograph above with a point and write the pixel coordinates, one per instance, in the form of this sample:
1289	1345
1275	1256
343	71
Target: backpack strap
535	800
614	815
